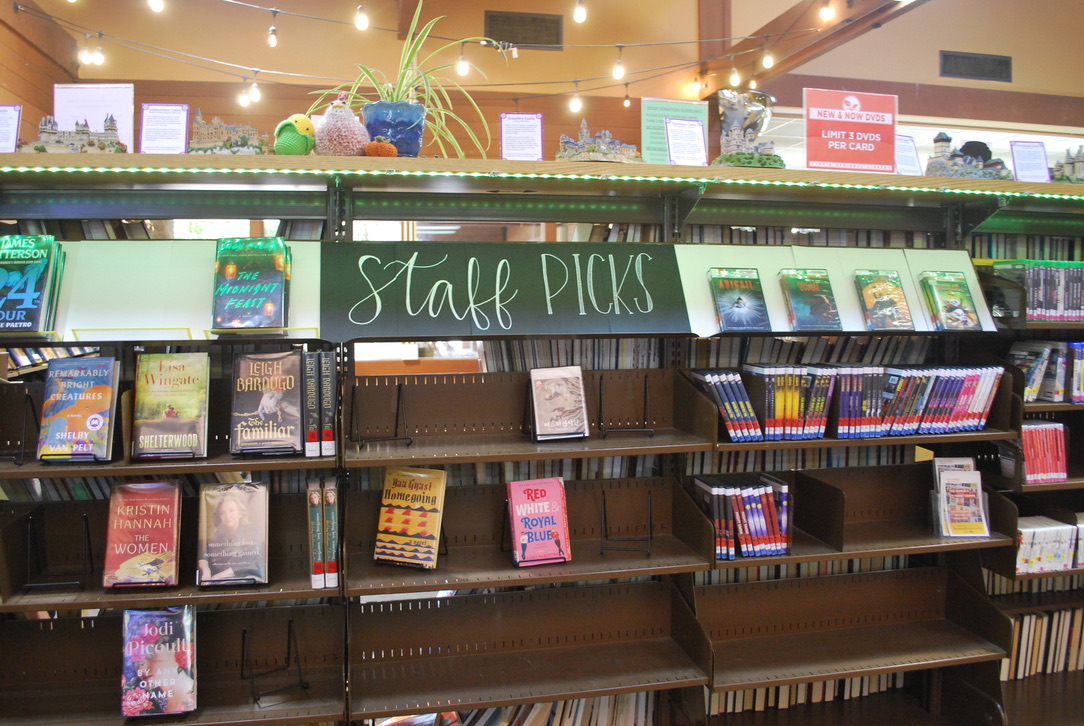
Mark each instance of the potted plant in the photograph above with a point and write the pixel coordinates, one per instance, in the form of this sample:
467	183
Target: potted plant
417	97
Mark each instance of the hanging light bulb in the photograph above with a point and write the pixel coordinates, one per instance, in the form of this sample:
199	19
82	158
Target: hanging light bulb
272	34
579	14
157	5
98	57
752	84
462	67
768	60
827	12
575	104
85	56
735	77
254	94
619	67
361	20
243	99
627	102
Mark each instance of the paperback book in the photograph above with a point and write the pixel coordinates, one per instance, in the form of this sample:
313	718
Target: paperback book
411	508
949	301
78	411
883	301
170	417
811	304
739	298
252	276
30	271
266	416
143	534
961	505
539	521
232	546
159	661
558	403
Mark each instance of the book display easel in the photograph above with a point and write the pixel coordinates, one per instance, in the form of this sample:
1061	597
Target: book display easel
382	643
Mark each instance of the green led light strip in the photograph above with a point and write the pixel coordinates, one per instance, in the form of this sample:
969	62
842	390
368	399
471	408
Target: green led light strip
543	176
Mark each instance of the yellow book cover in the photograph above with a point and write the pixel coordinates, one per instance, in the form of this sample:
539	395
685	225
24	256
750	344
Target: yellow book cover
408	531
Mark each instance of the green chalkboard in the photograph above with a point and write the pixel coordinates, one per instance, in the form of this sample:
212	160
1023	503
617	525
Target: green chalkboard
469	290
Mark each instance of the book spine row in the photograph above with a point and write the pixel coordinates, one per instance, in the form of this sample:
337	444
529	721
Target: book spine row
627	709
1043	446
588	353
321	400
750	512
1044	544
1045	642
800	694
322	502
1054	291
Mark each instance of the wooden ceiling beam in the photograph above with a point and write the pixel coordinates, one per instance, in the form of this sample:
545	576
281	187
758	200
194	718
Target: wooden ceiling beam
798	35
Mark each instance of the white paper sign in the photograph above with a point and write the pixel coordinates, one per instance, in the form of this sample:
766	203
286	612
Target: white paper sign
521	136
1029	161
164	129
93	103
9	128
907	161
685	143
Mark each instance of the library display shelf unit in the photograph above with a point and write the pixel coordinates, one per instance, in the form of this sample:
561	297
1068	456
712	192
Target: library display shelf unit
365	657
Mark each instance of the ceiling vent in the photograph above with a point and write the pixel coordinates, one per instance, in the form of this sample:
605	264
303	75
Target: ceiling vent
526	30
976	66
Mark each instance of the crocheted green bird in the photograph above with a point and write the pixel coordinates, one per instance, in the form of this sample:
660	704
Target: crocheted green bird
295	136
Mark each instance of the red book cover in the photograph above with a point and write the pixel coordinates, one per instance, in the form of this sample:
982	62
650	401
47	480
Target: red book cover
539	521
143	534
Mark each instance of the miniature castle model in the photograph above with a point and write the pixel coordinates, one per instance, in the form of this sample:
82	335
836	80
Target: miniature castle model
52	138
601	147
219	137
973	161
737	141
1071	170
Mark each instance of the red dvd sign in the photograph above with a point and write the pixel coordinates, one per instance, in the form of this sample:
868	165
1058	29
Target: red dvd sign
851	131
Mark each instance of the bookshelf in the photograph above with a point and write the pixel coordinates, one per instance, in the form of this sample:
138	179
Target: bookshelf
640	633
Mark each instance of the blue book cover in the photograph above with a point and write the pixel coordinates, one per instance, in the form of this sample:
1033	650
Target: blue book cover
77	415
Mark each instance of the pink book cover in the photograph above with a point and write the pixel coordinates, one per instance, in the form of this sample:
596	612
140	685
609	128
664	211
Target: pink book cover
539	521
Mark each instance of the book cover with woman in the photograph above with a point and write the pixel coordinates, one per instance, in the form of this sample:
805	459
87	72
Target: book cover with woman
232	534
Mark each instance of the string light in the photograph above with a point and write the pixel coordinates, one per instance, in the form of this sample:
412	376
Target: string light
827	12
462	67
575	104
157	5
243	97
619	67
85	56
361	20
98	57
767	61
579	13
735	77
254	93
627	102
272	34
752	84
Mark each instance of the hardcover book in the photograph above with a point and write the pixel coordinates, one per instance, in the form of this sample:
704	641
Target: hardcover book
811	304
948	300
159	661
143	534
739	298
411	507
314	503
77	414
331	532
539	518
267	404
252	276
170	418
232	546
30	266
558	403
881	295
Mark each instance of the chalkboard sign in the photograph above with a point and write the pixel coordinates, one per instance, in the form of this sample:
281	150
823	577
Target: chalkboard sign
474	289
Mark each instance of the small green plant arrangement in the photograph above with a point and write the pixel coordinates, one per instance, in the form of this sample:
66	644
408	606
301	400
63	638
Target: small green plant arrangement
419	79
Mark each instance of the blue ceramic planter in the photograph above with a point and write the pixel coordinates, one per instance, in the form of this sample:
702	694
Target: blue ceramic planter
401	122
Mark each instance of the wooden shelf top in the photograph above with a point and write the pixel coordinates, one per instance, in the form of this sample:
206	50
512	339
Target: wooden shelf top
153	468
1056	699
